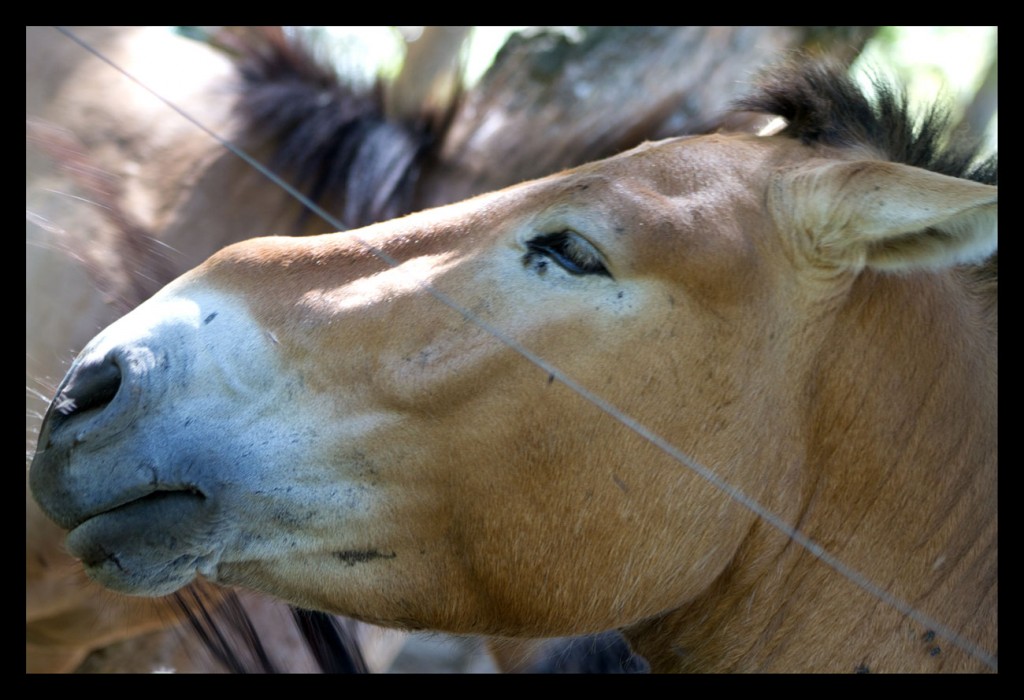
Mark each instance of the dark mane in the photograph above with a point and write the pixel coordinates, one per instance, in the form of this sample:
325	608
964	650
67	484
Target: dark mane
823	104
330	136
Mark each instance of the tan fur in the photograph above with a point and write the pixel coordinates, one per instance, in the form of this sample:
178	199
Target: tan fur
447	483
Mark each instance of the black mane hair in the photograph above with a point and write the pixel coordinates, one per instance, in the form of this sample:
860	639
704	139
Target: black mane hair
821	103
227	633
330	136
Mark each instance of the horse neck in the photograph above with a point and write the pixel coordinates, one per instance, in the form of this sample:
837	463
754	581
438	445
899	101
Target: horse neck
903	402
899	484
903	396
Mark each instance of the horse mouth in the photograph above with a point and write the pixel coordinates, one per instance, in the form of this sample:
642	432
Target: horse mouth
154	498
152	545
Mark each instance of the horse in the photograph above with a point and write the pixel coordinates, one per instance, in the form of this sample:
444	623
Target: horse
733	395
150	197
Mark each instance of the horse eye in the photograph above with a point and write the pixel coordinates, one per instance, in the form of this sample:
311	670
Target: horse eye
573	253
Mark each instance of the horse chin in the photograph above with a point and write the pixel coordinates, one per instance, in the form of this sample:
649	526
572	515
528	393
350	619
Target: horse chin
152	546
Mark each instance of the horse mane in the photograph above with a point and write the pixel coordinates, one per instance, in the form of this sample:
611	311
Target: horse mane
823	104
227	632
333	136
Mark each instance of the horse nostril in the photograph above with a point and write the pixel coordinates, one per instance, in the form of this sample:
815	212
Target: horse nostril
91	385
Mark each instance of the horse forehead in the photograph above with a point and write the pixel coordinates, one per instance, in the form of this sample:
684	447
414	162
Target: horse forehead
655	193
689	182
691	200
693	160
657	179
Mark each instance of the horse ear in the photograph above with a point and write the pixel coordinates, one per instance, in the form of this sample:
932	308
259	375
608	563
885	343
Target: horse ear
887	215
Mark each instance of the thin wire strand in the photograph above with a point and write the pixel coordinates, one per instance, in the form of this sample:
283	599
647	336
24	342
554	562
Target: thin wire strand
816	550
